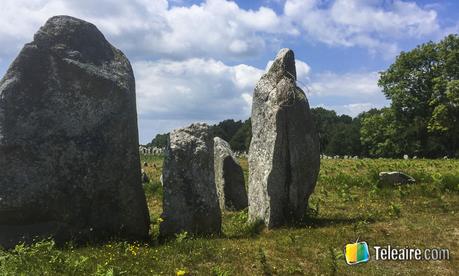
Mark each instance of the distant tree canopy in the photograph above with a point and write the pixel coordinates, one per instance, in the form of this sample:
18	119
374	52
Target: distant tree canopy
379	134
237	133
423	85
160	141
241	139
226	129
422	120
338	135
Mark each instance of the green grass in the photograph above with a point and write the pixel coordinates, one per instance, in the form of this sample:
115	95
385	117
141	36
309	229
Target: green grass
348	204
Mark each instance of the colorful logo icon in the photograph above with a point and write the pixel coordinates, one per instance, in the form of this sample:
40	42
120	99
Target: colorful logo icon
356	253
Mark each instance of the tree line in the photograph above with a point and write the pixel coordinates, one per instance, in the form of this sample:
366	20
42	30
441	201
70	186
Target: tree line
237	133
422	119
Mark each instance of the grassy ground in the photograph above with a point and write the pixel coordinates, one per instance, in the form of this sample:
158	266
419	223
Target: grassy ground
348	204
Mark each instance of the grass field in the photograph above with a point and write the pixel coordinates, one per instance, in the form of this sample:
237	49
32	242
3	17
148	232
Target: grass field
348	204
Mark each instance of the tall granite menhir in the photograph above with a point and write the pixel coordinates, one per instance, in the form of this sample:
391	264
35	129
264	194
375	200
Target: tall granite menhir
190	200
284	156
69	160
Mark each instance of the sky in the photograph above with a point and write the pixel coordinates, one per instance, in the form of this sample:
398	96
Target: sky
199	61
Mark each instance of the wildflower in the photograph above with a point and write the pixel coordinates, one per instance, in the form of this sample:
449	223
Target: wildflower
181	272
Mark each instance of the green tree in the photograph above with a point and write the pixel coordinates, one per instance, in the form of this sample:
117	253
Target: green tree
345	139
160	141
422	85
377	134
241	139
338	135
226	129
382	136
325	120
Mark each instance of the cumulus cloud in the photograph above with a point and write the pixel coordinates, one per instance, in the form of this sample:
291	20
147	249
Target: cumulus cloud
348	93
355	85
193	90
375	25
221	29
145	28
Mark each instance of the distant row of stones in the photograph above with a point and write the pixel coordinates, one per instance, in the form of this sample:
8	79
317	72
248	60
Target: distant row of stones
69	155
146	150
406	157
151	150
324	156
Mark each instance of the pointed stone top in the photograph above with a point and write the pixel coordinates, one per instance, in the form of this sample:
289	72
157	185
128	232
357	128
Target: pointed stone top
62	20
284	64
65	27
69	34
219	142
193	131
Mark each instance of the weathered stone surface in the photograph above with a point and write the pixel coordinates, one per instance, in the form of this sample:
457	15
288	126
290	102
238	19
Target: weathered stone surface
69	160
190	200
393	178
284	156
229	177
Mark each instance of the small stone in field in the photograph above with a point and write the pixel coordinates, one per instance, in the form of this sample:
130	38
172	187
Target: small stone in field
393	178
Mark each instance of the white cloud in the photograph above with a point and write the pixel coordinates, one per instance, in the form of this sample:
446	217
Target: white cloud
348	93
355	109
355	85
454	29
181	92
302	69
152	28
375	25
221	29
193	90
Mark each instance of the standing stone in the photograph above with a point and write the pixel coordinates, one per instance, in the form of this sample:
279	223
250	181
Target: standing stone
69	159
284	156
229	177
190	201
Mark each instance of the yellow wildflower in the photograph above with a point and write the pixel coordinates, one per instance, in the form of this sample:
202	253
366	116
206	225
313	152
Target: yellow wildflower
181	272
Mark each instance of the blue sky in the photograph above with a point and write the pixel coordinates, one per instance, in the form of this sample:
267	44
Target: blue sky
200	60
